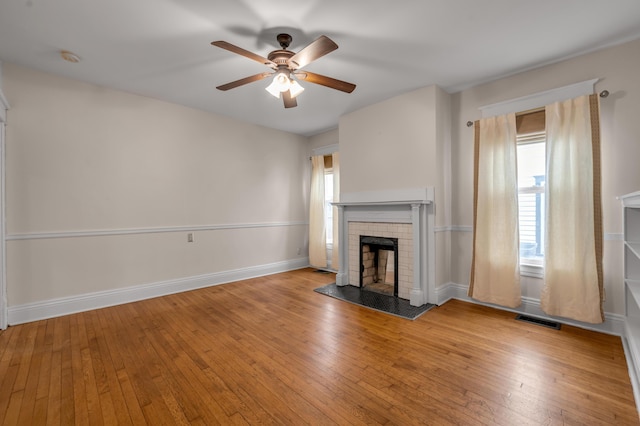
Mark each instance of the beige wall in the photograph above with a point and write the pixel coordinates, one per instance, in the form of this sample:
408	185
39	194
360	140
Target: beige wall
443	186
402	143
406	138
86	158
330	137
617	68
396	137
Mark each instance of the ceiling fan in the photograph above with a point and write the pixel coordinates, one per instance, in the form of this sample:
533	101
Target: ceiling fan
286	66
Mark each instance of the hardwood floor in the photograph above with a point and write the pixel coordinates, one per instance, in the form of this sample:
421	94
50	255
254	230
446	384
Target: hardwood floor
270	350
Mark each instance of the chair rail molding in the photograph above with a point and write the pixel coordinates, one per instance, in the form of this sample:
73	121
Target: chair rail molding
130	231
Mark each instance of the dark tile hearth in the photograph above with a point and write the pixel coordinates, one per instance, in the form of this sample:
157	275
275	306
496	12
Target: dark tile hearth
380	302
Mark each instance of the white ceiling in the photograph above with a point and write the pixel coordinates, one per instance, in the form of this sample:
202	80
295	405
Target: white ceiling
161	48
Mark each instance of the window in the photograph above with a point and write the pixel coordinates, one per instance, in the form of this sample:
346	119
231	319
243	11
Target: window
325	189
328	199
328	208
531	203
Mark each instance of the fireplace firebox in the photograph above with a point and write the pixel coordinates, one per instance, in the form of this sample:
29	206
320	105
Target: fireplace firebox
379	264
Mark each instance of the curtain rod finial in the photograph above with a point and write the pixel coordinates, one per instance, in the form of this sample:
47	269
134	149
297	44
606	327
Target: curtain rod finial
469	123
604	93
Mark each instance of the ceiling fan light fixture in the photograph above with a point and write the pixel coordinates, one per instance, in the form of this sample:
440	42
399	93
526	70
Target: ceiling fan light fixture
295	89
274	89
281	83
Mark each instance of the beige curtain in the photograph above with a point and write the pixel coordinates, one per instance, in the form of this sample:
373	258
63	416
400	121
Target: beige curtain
335	255
317	235
495	269
573	285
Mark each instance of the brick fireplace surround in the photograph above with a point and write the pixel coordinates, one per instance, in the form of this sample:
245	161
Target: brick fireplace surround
404	214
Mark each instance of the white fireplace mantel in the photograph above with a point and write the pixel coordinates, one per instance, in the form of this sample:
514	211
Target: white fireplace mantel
414	206
387	197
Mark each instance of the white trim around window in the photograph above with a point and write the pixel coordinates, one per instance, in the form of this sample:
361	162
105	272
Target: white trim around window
325	150
540	99
534	271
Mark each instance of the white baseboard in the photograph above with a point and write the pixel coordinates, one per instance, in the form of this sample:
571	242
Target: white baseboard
613	324
84	302
446	292
632	357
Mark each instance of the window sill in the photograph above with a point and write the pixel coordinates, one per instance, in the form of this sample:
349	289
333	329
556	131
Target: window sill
531	270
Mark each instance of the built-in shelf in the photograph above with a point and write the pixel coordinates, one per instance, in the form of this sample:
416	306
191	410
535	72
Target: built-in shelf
631	227
634	247
633	286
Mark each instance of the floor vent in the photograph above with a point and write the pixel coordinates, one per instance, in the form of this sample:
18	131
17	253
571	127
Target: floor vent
538	321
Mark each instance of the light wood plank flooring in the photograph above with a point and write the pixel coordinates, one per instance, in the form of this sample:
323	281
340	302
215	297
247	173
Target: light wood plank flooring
270	350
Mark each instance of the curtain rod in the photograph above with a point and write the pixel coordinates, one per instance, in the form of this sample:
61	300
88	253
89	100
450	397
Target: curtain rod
603	94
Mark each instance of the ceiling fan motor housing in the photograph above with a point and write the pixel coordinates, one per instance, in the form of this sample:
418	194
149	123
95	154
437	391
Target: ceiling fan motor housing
280	57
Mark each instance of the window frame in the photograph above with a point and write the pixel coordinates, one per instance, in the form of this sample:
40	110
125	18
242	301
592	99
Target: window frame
530	267
328	171
531	103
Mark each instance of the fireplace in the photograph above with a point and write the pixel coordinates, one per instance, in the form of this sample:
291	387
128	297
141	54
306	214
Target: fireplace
379	264
404	215
387	233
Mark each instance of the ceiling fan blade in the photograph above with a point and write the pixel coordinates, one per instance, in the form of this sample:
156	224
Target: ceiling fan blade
326	81
314	50
244	81
289	101
240	51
